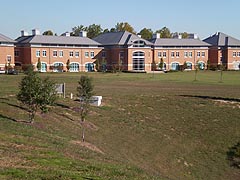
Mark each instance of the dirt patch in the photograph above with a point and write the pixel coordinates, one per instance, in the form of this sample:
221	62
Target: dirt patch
233	104
88	146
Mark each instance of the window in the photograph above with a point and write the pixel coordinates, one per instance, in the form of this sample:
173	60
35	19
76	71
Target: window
87	54
159	54
198	54
44	53
190	54
238	54
138	61
9	58
37	53
103	54
92	54
175	66
71	53
54	53
234	54
60	53
203	53
185	54
89	67
58	67
138	44
76	54
164	54
177	54
172	54
74	67
16	53
201	65
189	65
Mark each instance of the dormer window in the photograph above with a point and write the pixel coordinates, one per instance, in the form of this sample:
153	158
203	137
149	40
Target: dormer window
139	43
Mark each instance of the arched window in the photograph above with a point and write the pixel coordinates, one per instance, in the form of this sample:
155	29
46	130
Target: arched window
236	65
138	43
74	67
89	67
201	65
138	61
189	66
175	66
58	67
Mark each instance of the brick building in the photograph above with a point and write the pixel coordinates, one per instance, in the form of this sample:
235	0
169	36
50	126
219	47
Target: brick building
174	52
54	52
6	52
126	51
224	49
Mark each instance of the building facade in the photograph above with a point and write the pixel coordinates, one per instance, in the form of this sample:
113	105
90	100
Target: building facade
175	52
6	53
57	53
126	51
224	50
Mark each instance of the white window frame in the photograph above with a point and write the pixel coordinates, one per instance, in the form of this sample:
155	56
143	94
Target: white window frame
55	53
190	54
61	53
177	54
92	54
71	70
71	54
198	54
16	53
185	54
77	54
44	53
234	53
159	54
38	53
203	54
164	54
86	54
172	54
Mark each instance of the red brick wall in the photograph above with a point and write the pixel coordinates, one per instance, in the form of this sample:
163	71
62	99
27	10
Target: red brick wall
4	52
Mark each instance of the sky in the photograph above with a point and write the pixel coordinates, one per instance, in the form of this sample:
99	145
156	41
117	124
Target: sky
204	17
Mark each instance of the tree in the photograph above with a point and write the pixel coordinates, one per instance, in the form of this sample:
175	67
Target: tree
164	32
184	66
124	26
39	65
48	33
68	65
146	33
84	92
197	68
221	68
77	29
184	35
94	30
161	64
36	93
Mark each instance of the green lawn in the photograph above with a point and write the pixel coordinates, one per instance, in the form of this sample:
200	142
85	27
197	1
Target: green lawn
150	126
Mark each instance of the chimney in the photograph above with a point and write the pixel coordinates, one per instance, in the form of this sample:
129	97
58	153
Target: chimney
35	32
67	34
83	34
226	41
24	33
156	36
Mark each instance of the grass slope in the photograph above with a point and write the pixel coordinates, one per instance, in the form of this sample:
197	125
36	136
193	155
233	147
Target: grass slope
151	126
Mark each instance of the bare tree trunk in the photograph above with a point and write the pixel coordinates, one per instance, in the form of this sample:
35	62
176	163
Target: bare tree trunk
83	130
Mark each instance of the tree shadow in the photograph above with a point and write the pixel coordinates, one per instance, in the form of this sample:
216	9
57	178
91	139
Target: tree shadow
9	118
212	98
12	119
62	106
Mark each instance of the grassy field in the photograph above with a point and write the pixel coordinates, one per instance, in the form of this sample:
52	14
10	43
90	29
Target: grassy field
150	126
